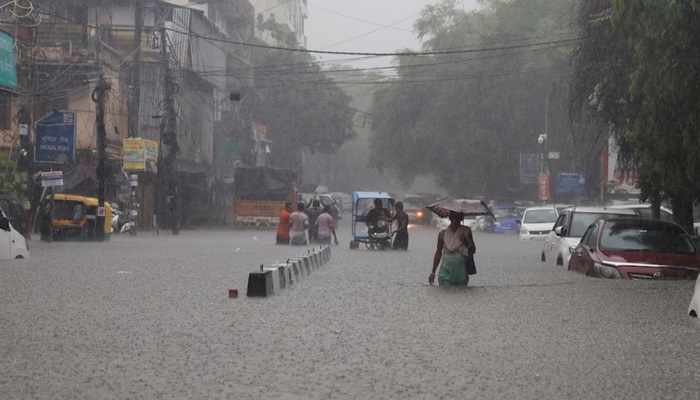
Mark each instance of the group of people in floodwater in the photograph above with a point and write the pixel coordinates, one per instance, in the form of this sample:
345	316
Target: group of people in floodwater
293	225
455	245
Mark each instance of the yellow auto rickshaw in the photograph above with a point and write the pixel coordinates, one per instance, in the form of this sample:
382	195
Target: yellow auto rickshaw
75	218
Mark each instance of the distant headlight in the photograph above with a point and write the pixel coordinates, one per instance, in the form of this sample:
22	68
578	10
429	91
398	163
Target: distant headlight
419	214
607	271
497	224
524	231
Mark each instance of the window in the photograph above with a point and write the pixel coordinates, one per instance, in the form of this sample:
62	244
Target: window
560	221
592	233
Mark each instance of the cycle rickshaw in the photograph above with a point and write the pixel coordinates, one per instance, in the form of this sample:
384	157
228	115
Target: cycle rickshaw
380	236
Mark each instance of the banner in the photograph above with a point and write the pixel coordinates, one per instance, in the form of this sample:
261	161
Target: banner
529	168
543	186
134	154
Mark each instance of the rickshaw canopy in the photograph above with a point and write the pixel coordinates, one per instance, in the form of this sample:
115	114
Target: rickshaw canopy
356	196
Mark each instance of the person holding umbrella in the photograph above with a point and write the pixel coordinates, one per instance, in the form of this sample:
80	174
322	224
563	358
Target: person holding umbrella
449	254
455	245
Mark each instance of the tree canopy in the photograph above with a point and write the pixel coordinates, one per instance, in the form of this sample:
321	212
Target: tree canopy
301	107
466	116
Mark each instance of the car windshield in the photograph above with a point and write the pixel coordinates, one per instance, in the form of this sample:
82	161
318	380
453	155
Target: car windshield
539	216
582	220
662	238
506	213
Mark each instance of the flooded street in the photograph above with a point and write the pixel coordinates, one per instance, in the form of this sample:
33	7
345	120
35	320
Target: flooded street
149	317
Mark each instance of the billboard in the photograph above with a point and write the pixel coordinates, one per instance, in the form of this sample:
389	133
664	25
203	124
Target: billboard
620	178
529	168
55	138
8	70
136	151
572	183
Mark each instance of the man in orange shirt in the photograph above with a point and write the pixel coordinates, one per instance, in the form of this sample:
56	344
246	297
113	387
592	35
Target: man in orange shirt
283	225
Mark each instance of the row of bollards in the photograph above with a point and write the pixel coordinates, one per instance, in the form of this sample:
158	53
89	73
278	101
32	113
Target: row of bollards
273	279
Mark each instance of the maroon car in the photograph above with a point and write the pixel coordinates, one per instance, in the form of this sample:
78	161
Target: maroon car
636	249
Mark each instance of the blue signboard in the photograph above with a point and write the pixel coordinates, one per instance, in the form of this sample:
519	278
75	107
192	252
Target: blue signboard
55	138
570	183
529	168
8	71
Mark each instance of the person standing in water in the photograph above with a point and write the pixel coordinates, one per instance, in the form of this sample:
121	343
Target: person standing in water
451	246
401	218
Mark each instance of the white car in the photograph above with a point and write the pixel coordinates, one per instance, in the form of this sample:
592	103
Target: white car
12	243
570	226
694	307
537	222
644	211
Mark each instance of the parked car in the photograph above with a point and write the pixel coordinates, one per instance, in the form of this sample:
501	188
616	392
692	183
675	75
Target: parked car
507	219
644	211
537	222
635	248
15	212
570	226
694	307
417	213
12	243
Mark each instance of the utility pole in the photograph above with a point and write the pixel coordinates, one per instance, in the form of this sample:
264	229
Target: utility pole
135	104
169	137
99	96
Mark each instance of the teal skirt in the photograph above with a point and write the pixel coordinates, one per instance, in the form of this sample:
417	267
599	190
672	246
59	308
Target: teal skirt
453	269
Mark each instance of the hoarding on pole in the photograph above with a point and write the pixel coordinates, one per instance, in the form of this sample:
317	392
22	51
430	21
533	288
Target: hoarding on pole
136	151
572	183
529	168
8	69
620	178
543	187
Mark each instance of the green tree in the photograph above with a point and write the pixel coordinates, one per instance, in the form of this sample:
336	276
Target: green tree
300	105
466	115
7	179
664	125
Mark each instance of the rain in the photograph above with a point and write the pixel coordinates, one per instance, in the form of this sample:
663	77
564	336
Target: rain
303	199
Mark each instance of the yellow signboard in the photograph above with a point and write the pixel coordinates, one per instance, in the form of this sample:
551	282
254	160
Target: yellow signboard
134	154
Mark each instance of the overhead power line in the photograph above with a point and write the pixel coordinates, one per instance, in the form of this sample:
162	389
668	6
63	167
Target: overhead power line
400	54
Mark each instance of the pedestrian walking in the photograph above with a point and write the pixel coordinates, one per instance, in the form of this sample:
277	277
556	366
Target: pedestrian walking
313	212
284	224
299	224
401	218
325	227
452	245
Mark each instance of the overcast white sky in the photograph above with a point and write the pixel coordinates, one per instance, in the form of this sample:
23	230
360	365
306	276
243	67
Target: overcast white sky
361	26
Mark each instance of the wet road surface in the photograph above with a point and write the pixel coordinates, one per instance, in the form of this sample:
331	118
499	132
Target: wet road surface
149	317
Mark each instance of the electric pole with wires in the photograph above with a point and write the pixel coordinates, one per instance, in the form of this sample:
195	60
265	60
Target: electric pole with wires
166	169
99	95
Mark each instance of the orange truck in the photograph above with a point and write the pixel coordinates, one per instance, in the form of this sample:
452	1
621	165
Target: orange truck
260	194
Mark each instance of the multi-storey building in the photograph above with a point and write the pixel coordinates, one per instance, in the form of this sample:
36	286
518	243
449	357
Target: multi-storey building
64	48
289	15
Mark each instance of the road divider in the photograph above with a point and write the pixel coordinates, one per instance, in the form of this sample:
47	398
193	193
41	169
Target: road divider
271	280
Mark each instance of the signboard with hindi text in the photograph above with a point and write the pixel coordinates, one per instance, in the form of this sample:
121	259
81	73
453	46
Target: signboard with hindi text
55	138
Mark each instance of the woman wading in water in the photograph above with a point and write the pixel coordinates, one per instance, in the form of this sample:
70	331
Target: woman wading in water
453	243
